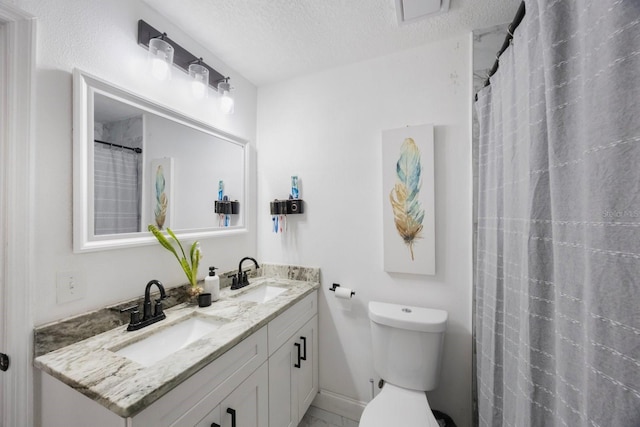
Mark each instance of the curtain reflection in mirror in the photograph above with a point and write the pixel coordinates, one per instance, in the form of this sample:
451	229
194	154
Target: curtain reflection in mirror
117	170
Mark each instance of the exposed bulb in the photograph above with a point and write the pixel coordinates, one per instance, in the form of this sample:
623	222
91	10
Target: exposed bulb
200	79
159	69
226	99
161	58
226	103
198	89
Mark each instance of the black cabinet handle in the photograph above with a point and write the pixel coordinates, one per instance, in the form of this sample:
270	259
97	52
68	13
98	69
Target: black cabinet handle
232	412
297	365
304	351
215	425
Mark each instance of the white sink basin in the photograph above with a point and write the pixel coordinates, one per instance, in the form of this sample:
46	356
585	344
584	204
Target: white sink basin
165	342
260	294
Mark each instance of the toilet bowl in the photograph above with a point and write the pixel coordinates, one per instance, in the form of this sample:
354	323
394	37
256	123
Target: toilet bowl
407	354
397	406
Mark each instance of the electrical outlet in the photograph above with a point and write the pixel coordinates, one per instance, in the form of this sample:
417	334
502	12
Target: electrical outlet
70	286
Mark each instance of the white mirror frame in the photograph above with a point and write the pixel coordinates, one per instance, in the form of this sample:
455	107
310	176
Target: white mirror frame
84	238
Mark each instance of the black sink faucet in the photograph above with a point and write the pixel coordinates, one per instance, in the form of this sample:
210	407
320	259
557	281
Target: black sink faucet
146	314
241	281
147	318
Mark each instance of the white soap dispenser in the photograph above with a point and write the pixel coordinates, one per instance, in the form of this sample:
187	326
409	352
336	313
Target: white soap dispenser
212	284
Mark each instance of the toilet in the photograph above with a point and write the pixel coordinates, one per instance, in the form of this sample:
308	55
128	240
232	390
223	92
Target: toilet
407	353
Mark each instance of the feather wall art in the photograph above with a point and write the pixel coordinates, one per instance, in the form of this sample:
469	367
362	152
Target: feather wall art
160	190
160	211
407	210
408	200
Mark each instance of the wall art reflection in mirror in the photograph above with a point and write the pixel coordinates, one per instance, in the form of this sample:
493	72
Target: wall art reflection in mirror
138	163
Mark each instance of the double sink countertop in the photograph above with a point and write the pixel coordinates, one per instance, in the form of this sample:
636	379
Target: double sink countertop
93	368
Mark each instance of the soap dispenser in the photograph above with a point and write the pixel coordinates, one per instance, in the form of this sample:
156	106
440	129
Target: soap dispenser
212	284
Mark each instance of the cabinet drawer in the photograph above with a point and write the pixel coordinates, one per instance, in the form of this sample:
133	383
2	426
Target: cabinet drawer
284	326
197	396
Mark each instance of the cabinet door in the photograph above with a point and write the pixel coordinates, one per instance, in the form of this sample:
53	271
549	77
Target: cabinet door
247	405
286	325
307	375
283	396
192	400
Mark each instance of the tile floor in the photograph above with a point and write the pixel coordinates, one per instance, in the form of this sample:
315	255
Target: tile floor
319	418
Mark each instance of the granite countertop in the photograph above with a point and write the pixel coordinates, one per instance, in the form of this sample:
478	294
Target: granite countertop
92	367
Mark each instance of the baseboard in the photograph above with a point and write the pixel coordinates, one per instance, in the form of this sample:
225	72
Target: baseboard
339	404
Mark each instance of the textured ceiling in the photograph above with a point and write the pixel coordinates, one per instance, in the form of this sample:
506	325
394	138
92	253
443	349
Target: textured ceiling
272	40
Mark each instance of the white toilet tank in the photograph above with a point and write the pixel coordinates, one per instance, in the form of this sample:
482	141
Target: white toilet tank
407	344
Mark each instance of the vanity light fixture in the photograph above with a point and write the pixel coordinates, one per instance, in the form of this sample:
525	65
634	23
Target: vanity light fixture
200	79
160	57
227	103
148	37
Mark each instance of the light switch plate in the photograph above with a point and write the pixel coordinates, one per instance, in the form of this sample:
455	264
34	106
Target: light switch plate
70	286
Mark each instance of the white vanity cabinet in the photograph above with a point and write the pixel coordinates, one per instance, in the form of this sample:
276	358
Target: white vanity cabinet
266	380
293	365
237	380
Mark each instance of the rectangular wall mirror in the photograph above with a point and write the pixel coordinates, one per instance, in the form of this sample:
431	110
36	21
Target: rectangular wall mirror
138	163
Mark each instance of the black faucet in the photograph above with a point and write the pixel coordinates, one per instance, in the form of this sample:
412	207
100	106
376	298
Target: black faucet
241	280
147	318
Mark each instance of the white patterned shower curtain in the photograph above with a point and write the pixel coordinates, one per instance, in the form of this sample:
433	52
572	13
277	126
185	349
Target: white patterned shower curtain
116	190
557	292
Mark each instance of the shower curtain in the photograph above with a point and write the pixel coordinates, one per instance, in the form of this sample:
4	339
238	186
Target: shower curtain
116	190
557	292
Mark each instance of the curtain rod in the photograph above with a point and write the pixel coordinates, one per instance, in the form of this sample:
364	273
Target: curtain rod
136	149
507	41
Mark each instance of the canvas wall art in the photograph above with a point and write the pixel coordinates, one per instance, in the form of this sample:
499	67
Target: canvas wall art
160	190
408	200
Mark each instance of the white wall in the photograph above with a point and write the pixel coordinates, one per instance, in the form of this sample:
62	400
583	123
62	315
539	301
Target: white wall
326	128
101	38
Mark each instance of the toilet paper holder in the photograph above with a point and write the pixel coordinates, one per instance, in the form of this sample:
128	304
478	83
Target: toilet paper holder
337	285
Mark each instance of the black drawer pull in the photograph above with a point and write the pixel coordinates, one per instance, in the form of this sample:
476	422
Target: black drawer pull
297	365
232	412
215	425
304	351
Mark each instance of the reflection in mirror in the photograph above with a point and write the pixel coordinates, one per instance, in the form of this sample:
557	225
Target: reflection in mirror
138	163
117	166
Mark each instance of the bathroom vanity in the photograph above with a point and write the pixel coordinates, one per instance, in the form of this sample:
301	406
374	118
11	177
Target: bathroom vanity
251	361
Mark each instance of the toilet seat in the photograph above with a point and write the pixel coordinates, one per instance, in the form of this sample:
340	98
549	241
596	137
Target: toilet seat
397	406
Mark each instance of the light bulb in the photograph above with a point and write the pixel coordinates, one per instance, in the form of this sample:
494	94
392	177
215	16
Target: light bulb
226	99
198	89
160	58
200	75
226	103
159	69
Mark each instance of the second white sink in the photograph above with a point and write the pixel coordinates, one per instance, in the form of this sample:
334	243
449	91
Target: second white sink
163	343
260	294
